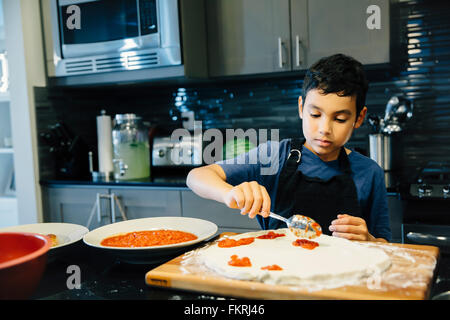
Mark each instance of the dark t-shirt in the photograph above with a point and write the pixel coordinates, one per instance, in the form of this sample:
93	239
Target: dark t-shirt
264	163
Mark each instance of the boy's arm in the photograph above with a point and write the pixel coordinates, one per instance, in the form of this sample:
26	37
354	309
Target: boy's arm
352	228
209	182
372	238
355	228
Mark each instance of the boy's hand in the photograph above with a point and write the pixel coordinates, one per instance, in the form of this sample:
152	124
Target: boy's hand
351	228
251	197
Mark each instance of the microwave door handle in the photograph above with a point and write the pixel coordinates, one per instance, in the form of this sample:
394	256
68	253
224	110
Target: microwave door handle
426	238
63	3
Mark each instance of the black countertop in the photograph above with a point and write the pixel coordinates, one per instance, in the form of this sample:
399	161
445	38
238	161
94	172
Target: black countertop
171	182
103	277
166	177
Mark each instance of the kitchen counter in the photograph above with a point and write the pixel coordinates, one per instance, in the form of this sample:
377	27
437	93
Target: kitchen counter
166	180
103	278
163	182
159	178
175	182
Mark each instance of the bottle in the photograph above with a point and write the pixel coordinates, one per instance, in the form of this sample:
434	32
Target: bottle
131	149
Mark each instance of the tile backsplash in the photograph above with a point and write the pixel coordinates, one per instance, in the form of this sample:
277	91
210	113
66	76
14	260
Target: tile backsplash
423	75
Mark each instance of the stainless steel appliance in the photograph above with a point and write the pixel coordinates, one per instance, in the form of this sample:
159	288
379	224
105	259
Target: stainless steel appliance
432	182
90	37
383	140
187	151
426	216
380	146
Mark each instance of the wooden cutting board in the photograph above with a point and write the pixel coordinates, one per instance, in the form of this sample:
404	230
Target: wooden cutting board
409	277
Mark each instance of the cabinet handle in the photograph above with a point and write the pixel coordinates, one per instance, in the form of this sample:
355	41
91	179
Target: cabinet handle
4	79
113	207
280	53
99	209
427	238
298	62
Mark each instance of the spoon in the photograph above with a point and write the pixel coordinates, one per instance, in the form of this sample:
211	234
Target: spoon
300	226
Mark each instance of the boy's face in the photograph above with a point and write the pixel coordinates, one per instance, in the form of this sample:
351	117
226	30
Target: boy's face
328	122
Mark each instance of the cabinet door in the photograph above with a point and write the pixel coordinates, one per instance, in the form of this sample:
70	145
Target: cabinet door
341	26
248	36
145	203
74	205
299	34
226	219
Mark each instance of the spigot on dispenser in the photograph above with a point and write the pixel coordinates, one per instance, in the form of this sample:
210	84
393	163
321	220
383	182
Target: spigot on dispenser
123	167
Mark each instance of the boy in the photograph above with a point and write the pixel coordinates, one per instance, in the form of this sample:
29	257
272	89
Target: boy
317	176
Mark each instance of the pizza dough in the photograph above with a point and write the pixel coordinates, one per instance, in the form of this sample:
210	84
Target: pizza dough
334	262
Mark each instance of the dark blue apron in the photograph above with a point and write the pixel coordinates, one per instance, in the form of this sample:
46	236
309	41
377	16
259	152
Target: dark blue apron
322	200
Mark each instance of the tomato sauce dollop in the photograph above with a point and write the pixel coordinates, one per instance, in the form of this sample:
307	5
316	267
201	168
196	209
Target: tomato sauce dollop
271	235
236	262
316	228
273	267
306	244
229	243
148	238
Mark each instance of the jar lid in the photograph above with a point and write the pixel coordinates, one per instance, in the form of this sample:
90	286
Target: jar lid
126	117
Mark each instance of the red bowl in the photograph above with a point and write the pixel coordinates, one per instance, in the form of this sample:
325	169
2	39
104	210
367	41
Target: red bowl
23	258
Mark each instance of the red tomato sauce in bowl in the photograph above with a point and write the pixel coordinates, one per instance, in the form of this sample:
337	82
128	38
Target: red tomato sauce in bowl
149	238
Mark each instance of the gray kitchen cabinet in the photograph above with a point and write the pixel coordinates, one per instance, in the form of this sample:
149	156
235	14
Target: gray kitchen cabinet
147	202
266	36
299	33
73	205
248	37
227	220
349	27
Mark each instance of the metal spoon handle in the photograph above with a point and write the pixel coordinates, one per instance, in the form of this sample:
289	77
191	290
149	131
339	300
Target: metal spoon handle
276	216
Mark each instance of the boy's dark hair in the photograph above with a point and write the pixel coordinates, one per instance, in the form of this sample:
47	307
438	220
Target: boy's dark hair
338	74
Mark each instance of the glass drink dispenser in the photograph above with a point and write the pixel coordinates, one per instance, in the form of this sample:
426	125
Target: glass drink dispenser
131	150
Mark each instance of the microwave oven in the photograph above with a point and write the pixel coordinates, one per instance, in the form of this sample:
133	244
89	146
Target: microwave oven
128	39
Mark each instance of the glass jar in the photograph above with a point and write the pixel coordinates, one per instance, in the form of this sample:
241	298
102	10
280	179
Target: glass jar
131	150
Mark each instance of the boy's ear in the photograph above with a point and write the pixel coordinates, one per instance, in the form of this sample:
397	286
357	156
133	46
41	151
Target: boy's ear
300	107
360	118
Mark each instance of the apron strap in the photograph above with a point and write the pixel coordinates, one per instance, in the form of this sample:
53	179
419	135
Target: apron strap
295	154
287	172
344	163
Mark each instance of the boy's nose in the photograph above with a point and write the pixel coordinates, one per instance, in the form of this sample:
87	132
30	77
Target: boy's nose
325	127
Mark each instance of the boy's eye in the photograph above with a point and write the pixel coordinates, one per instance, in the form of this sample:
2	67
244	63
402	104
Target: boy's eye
341	120
315	115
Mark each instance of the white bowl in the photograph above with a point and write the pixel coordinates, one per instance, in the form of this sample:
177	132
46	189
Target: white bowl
66	233
203	229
